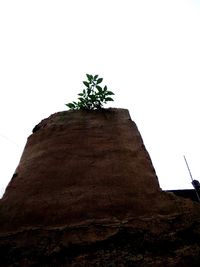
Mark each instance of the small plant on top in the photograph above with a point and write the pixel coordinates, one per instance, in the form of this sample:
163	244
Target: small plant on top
93	96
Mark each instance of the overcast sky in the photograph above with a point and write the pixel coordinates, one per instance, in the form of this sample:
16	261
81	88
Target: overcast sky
148	53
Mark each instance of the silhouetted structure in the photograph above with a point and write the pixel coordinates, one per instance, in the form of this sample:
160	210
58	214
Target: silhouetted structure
185	193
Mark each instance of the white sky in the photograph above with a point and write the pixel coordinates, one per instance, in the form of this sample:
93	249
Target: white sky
148	53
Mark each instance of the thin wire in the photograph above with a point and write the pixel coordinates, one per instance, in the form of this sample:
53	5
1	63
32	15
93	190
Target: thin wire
8	139
188	168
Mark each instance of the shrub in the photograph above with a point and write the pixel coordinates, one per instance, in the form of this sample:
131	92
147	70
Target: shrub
93	96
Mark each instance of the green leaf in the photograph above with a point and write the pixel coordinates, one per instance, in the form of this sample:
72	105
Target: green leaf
105	88
80	105
99	88
95	77
109	93
93	98
99	80
86	83
90	77
70	105
102	98
81	94
109	99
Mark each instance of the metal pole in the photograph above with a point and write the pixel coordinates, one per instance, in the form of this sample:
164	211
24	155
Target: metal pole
188	168
191	178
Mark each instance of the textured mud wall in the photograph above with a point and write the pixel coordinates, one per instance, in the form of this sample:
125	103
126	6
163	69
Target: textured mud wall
85	193
78	166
